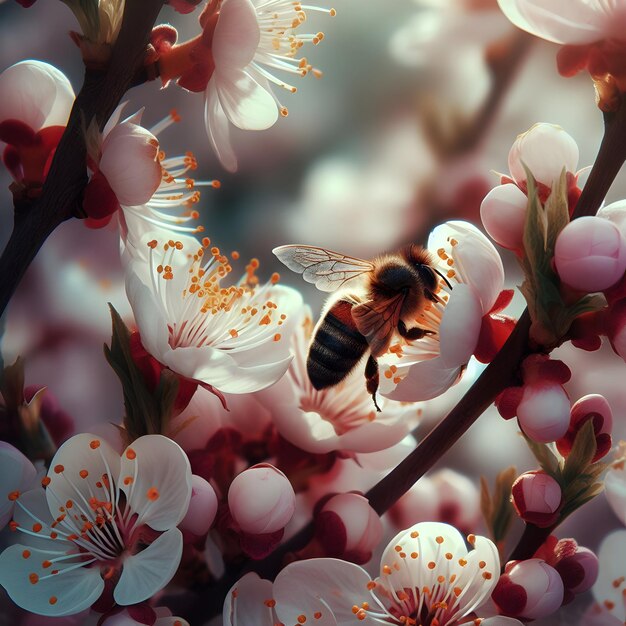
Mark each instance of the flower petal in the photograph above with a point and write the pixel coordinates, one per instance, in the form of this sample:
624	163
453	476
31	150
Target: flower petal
76	475
129	163
68	592
217	128
317	585
612	557
18	474
35	93
245	602
159	488
460	327
147	572
615	490
237	35
245	102
560	21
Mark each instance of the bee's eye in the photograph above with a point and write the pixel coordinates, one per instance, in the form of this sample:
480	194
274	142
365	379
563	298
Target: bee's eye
428	276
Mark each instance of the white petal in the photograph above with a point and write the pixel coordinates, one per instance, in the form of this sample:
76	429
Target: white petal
559	21
18	474
56	595
244	603
306	587
245	102
460	327
148	313
129	163
424	381
216	124
35	93
147	572
476	260
236	35
612	557
499	620
161	481
76	455
615	490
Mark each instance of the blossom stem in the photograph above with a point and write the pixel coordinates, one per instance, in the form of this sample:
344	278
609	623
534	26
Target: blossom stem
531	540
61	196
611	157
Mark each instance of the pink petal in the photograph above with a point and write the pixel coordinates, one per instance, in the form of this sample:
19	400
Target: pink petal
236	36
216	124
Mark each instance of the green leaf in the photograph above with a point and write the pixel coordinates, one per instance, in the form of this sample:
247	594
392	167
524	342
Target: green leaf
545	457
581	455
497	510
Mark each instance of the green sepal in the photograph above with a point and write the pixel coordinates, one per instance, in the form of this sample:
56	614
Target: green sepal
146	412
497	509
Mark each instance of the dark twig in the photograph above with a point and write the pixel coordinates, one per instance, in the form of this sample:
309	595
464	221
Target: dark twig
61	196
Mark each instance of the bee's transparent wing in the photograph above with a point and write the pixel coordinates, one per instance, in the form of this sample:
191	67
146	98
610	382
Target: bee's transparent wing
326	269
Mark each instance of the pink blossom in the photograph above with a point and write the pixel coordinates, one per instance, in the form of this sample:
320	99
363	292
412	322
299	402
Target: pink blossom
503	214
202	507
537	497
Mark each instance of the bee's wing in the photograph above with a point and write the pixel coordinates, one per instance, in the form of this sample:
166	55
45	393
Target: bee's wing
326	269
377	320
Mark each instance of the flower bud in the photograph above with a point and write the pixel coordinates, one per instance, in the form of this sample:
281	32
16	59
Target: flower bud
545	150
590	254
348	527
593	407
578	571
202	507
530	589
503	213
261	499
544	412
537	498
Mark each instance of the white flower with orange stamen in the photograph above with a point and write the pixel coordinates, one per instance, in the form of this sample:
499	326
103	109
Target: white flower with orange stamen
341	417
234	60
101	520
420	370
231	339
427	577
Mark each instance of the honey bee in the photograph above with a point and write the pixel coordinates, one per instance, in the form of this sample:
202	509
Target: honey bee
374	299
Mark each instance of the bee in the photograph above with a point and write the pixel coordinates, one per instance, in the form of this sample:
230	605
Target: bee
373	300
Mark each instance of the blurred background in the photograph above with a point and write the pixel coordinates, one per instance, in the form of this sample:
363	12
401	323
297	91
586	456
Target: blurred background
417	108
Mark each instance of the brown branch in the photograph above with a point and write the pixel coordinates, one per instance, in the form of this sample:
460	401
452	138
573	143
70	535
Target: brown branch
61	196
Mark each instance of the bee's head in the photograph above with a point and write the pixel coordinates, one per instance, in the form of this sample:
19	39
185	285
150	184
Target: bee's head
422	261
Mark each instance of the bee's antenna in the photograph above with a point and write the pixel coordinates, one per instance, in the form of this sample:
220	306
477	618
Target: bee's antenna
442	276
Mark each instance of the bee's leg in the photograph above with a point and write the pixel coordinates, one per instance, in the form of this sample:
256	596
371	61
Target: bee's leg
412	333
371	378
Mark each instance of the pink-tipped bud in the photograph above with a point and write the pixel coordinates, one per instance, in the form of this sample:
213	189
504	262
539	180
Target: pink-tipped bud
545	150
261	500
579	571
530	589
348	527
537	498
590	254
593	407
544	412
503	213
202	507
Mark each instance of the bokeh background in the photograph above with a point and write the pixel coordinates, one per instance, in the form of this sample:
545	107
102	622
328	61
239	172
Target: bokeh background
405	129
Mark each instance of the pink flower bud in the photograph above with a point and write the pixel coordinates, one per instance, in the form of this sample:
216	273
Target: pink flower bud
545	150
592	407
261	499
537	498
202	507
590	254
348	527
530	589
544	412
503	213
579	571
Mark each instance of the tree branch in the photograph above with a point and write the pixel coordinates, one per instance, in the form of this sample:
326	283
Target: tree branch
61	196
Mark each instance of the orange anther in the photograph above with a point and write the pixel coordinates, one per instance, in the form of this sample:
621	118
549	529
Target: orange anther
131	454
58	469
14	495
152	494
26	554
34	579
83	473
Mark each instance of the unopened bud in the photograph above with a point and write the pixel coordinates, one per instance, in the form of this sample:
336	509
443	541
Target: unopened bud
348	527
530	589
545	150
544	412
590	254
202	507
261	500
578	571
503	213
537	498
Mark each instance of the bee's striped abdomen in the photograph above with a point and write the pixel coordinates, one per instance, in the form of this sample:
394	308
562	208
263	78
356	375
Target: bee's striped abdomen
336	347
